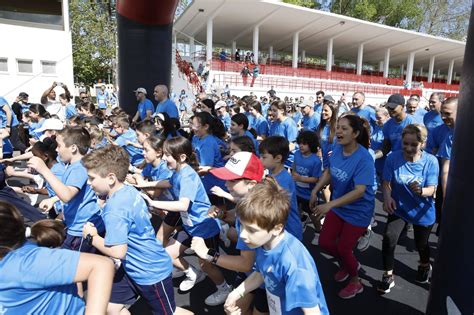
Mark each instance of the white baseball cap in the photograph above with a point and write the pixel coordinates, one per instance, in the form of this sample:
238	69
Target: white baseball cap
140	90
51	124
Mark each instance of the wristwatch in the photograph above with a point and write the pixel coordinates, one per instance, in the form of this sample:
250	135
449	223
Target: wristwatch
89	239
212	255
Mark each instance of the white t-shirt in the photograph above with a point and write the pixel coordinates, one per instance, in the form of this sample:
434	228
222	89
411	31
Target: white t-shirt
55	108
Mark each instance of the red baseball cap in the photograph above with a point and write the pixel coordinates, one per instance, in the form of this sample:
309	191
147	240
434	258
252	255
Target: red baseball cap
241	165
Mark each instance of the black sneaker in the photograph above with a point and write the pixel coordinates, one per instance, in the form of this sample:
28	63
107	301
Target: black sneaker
423	274
386	284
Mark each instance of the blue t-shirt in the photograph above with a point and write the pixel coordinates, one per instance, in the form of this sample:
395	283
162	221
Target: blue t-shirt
187	184
286	128
127	221
400	173
436	137
102	99
293	223
251	118
419	115
70	110
376	142
307	166
291	278
209	153
225	119
83	207
255	142
39	280
392	130
169	107
432	119
347	172
135	154
311	122
367	112
326	145
58	170
446	147
161	171
261	126
3	114
145	106
318	108
297	116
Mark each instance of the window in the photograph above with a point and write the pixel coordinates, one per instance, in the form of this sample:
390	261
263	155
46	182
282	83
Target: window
46	12
3	65
25	66
49	67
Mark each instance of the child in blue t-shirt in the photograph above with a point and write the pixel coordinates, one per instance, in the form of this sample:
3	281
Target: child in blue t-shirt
79	201
351	173
410	178
283	264
42	280
274	152
306	170
192	203
126	137
146	267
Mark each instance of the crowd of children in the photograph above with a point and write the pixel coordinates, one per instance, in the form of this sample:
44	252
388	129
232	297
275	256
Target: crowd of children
247	175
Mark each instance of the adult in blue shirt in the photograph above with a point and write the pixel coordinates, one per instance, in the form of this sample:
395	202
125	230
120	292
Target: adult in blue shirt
165	105
310	120
260	123
41	280
10	122
362	109
413	109
348	214
284	126
145	106
432	119
318	104
392	130
448	113
409	183
102	97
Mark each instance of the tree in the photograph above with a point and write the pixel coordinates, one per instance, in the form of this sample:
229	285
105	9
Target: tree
312	4
93	27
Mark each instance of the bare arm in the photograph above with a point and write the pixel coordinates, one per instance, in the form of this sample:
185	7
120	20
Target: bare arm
44	97
444	175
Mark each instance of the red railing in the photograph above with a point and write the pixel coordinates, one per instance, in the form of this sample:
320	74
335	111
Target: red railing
298	84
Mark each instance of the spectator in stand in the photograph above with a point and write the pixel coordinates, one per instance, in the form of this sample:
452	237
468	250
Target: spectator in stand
53	106
165	105
200	69
145	106
310	120
245	74
413	109
255	73
433	119
223	55
237	55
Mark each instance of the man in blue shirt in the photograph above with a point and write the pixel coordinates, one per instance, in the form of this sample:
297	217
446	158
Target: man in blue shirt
165	105
310	120
432	119
102	97
145	106
362	109
413	109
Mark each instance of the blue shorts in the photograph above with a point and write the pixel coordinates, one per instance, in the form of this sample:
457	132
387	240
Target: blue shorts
77	243
159	296
185	238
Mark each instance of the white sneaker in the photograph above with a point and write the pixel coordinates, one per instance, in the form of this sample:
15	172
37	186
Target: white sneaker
177	273
218	297
39	181
364	241
315	240
33	198
191	280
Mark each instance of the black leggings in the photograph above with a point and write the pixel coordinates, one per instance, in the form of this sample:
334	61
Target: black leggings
393	229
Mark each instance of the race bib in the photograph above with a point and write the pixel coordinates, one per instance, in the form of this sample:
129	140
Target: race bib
274	305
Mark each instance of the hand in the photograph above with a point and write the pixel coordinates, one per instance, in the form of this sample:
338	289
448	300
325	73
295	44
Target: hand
313	201
89	228
199	246
139	179
320	210
202	170
219	192
230	305
416	188
46	204
296	177
131	179
28	189
32	141
213	212
147	198
55	84
37	164
389	205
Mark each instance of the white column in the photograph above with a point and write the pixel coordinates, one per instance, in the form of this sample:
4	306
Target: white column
450	71
410	63
303	55
296	38
431	69
438	74
234	49
270	52
421	71
381	66
192	47
402	69
454	75
360	57
209	40
386	63
66	15
329	57
255	44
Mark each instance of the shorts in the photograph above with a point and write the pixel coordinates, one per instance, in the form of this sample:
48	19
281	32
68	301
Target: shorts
303	204
260	302
77	243
159	296
173	219
185	238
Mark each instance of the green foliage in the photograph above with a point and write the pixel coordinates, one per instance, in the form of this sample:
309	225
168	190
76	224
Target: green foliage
312	4
93	27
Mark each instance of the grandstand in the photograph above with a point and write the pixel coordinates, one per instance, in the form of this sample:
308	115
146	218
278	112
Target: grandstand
293	45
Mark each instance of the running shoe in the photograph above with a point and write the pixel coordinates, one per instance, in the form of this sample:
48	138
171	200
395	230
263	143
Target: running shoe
386	284
341	275
364	241
218	297
351	290
192	278
423	274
